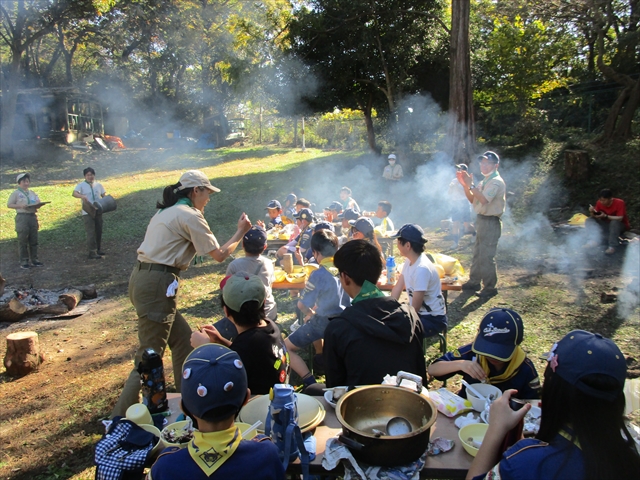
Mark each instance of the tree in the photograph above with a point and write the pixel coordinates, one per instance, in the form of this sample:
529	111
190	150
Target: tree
23	23
366	53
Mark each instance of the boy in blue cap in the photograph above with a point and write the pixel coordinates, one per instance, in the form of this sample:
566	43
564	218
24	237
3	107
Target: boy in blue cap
304	219
289	208
214	388
274	211
495	356
420	279
323	297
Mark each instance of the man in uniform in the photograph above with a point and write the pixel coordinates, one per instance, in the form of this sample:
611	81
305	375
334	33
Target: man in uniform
91	191
488	200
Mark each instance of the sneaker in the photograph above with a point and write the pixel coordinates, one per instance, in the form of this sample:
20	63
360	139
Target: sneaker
471	286
36	263
487	293
95	256
26	266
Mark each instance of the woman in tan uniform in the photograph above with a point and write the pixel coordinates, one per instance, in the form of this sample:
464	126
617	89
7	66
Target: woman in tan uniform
174	236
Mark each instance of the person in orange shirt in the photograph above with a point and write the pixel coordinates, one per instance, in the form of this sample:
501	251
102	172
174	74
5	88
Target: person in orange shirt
608	219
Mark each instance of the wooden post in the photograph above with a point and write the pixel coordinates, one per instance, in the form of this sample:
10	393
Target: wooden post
576	165
23	353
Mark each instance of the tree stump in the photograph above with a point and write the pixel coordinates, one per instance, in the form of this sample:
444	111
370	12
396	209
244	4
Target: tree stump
576	165
23	353
71	298
12	311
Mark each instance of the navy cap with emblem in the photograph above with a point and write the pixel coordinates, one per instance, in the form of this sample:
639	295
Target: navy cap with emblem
582	353
349	214
500	332
304	214
323	226
274	204
412	233
213	376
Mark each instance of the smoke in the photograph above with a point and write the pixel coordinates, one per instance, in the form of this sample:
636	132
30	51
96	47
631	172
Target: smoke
629	298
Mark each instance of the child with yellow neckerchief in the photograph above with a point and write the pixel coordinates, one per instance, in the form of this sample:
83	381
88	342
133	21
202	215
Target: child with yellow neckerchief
214	388
494	357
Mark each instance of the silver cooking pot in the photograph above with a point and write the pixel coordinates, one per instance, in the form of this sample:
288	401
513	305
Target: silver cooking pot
365	412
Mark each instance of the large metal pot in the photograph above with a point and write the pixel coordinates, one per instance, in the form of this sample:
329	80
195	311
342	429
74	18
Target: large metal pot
365	412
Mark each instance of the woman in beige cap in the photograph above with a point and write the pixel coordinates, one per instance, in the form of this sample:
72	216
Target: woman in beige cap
26	203
176	233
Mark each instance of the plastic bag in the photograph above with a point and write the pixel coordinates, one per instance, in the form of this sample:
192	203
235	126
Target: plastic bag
451	266
448	403
577	219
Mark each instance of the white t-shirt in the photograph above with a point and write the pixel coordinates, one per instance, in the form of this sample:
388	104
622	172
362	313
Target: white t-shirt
422	276
93	192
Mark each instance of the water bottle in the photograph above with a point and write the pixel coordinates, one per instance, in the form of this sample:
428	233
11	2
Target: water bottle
154	394
281	417
391	270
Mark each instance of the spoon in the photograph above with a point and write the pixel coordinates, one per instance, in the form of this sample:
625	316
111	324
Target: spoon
474	391
398	426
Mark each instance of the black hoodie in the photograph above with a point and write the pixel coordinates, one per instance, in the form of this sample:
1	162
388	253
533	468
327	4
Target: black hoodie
370	339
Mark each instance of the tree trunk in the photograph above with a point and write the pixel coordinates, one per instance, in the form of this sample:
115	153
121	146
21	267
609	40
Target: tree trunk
9	101
23	353
612	118
623	128
12	311
71	298
461	132
368	121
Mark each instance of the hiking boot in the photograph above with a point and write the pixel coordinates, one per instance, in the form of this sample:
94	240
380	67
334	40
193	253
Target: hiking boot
95	256
26	266
36	263
487	293
471	286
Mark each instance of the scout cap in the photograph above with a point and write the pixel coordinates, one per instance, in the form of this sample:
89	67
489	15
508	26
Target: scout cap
195	178
255	236
462	167
363	224
491	156
241	288
349	214
274	204
499	333
292	198
323	226
412	233
21	176
304	214
582	353
391	157
213	377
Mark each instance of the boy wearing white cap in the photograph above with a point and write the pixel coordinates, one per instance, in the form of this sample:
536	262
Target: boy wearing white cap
393	171
26	204
214	388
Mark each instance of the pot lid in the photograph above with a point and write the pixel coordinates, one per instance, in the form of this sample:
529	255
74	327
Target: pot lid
310	411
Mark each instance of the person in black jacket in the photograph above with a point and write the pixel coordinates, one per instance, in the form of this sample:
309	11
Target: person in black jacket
376	335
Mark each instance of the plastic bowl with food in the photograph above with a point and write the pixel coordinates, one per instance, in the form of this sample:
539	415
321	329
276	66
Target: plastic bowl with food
177	434
483	389
472	436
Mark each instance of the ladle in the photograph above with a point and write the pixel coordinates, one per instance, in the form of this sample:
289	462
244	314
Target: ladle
398	426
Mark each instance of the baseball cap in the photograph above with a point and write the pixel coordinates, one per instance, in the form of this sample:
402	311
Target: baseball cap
255	236
462	166
412	233
499	333
213	376
242	287
363	224
349	214
304	214
491	156
391	157
335	205
292	198
21	176
274	204
582	353
323	226
195	178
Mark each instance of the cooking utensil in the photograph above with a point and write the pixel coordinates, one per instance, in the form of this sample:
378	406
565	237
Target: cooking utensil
364	414
398	426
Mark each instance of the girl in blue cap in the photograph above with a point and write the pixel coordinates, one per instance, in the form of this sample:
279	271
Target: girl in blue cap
582	433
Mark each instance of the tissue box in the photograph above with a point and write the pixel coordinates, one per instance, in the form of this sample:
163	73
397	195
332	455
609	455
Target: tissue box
448	403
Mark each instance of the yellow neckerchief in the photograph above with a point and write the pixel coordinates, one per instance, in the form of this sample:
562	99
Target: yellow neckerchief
512	366
327	263
567	433
210	450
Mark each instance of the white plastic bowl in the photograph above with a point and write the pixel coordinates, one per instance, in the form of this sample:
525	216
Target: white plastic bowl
484	389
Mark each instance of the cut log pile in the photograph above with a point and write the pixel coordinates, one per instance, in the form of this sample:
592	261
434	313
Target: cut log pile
18	304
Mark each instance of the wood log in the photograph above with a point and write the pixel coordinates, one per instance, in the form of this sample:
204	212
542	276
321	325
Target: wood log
576	165
23	353
53	309
88	291
71	298
12	311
